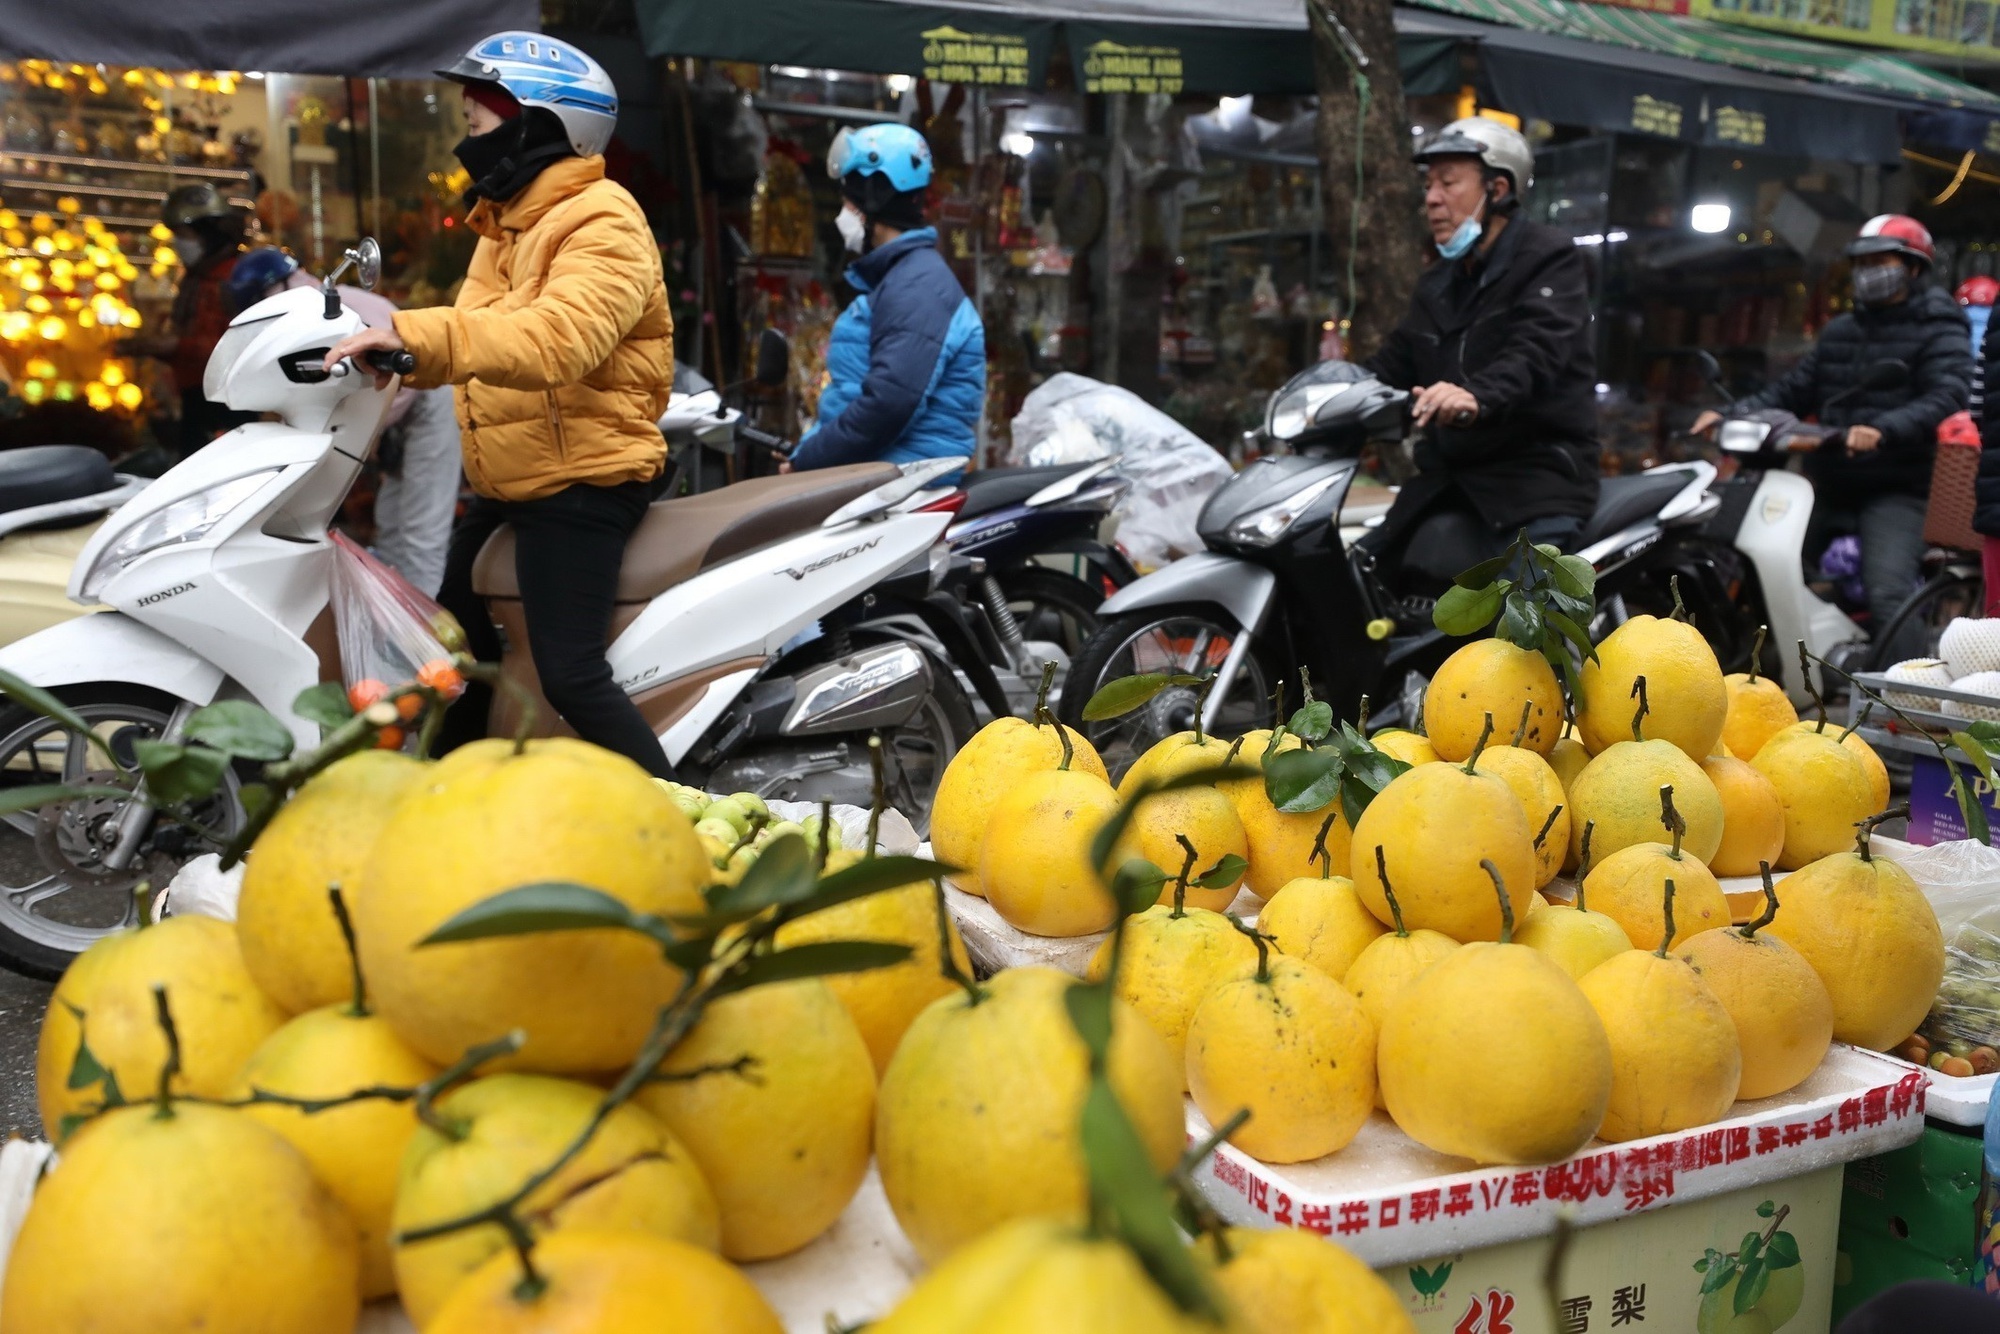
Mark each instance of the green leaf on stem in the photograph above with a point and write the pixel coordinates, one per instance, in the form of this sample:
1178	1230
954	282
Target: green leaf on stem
1312	722
1224	873
238	727
870	876
1479	576
14	800
1756	1277
1117	698
325	704
37	700
1298	781
1136	886
782	873
1975	751
1521	623
1574	577
1783	1252
1767	1208
551	905
1089	1006
1467	611
1970	808
819	959
86	1069
179	774
1567	627
1721	1269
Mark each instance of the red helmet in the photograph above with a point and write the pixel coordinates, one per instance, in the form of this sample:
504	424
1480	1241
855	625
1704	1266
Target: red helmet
1894	234
1978	290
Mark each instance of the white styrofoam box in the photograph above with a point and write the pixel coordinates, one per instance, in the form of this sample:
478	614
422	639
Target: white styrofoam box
1958	1100
1391	1201
1978	683
993	943
855	1271
1970	645
201	888
1916	671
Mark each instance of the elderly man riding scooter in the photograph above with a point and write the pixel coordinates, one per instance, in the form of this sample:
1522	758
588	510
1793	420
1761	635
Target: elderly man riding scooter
561	346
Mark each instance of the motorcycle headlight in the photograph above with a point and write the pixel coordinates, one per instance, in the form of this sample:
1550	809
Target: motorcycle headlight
1262	527
184	521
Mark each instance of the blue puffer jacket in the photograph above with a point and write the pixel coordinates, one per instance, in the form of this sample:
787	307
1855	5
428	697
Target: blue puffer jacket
906	363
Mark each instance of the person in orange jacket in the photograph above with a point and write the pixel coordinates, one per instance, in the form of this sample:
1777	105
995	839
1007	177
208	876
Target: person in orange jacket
561	348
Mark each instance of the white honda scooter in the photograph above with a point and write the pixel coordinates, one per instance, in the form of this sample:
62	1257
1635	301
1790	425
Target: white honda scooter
747	631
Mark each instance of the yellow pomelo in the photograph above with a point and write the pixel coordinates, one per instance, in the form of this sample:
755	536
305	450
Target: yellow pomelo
1878	772
105	1000
1039	1276
201	1220
484	821
1384	970
1206	819
1825	788
1576	938
1320	921
1618	795
1674	1058
1568	759
1781	1009
1753	819
1436	824
1535	785
633	1176
977	1119
1494	1054
1172	756
1169	965
608	1283
1401	744
1684	691
984	770
355	1150
1284	1281
1491	676
784	1145
1628	885
1758	711
1873	938
323	836
884	1001
1289	1044
1281	844
1035	867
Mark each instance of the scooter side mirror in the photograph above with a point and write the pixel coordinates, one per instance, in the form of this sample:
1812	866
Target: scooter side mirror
367	257
774	358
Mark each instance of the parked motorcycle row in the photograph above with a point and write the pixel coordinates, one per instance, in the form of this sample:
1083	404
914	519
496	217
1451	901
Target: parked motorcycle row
768	628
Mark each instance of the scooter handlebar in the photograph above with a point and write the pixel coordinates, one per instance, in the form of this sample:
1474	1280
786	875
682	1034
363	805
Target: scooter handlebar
764	439
397	362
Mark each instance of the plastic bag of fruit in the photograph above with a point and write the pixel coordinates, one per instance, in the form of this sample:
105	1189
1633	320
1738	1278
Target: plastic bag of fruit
390	634
1963	1027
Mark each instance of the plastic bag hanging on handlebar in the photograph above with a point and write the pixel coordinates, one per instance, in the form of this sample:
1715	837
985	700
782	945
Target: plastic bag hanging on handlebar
391	635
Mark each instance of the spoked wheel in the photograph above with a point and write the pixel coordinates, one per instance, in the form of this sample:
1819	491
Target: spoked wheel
1914	630
1053	609
1194	641
58	892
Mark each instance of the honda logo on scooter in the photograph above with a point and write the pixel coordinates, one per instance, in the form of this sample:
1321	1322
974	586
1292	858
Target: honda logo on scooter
165	593
834	559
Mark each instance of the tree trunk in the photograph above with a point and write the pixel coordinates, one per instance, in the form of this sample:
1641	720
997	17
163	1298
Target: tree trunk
1382	244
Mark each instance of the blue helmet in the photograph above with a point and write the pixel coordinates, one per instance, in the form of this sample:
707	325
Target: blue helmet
540	71
895	151
256	273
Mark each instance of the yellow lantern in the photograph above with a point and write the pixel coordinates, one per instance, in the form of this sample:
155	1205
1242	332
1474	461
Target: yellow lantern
42	222
67	204
98	396
161	232
44	246
41	368
65	391
34	391
112	374
8	218
107	282
129	396
15	324
130	319
52	329
38	303
31	282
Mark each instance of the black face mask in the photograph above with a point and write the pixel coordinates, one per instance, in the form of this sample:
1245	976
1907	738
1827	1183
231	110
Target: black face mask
482	155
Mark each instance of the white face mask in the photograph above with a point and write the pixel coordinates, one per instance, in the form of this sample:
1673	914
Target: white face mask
853	229
189	249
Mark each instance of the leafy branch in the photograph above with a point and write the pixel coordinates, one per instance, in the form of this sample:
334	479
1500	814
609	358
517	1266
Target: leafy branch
1544	608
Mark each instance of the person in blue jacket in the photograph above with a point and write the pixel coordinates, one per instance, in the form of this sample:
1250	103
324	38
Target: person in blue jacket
906	364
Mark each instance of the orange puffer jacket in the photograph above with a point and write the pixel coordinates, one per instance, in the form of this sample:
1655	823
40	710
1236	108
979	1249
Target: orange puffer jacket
561	343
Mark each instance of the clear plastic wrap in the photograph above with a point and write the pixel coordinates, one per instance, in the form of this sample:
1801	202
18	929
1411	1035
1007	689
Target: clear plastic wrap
391	635
1074	419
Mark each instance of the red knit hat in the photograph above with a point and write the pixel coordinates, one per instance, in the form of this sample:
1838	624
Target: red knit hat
494	98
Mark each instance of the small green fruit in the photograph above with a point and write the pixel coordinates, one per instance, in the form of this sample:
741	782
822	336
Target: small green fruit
722	831
783	827
751	803
731	810
1783	1295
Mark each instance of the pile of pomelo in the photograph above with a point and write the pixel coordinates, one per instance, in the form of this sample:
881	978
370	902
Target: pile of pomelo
261	1129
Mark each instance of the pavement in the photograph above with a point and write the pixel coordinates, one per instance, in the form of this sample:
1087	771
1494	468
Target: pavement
22	1001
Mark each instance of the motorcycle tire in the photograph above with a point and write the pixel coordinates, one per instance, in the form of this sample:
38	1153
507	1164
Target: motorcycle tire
1953	592
1052	606
88	904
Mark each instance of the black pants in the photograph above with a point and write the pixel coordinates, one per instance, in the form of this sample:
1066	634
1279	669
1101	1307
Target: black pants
1448	536
568	548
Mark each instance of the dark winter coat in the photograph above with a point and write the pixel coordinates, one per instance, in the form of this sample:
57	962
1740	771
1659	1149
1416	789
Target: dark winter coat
1515	330
1986	491
1928	332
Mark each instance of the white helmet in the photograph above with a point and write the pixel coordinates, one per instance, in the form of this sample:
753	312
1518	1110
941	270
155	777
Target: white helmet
540	71
1497	147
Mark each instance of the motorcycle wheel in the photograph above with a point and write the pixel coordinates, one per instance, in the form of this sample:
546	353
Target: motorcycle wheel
1052	607
1914	630
926	744
1191	639
56	897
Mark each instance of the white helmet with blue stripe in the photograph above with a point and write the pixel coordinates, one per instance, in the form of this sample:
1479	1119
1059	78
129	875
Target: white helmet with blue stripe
539	71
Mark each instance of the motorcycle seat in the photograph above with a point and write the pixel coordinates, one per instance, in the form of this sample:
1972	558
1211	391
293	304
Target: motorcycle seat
49	474
680	538
1624	501
992	489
